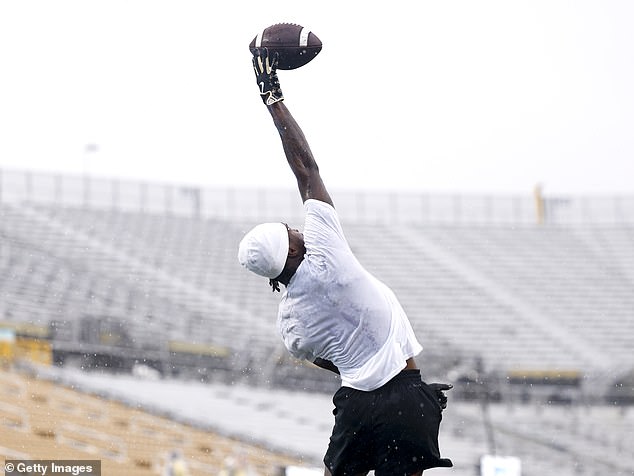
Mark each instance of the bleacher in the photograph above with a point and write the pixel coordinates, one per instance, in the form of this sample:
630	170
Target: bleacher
41	419
59	265
513	296
142	418
544	296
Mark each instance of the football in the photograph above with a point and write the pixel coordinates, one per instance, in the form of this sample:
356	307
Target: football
295	44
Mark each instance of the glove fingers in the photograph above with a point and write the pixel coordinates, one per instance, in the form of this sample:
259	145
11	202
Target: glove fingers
259	61
254	60
266	60
274	61
265	65
439	389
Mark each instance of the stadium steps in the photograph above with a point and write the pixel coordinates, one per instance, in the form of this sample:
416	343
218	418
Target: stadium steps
616	243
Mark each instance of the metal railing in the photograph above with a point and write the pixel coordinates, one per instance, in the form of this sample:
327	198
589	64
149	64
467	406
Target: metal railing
64	190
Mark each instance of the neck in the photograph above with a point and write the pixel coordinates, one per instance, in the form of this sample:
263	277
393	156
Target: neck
286	276
289	270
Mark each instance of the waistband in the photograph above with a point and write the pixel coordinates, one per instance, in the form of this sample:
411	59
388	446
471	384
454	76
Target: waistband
407	374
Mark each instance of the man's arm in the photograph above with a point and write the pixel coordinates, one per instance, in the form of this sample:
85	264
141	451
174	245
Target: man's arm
298	153
326	364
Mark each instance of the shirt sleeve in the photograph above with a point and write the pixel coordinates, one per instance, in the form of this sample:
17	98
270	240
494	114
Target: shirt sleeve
322	229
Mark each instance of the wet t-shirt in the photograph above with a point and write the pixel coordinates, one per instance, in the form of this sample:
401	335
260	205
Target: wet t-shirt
336	310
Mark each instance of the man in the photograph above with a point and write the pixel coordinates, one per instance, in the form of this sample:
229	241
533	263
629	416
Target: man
337	315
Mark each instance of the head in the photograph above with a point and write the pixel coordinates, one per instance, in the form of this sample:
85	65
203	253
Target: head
274	251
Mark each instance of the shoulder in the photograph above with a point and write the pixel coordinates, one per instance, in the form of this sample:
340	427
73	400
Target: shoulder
321	214
323	233
313	204
322	210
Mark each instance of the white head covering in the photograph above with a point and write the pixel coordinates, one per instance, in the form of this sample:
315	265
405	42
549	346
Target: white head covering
264	249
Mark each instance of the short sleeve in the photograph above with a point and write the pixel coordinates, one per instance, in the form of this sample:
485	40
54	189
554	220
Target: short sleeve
322	229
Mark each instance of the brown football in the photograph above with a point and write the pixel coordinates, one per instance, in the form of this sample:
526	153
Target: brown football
294	44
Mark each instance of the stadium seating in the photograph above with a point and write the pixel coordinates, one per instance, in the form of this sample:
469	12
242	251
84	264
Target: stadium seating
545	296
43	420
589	440
516	297
560	286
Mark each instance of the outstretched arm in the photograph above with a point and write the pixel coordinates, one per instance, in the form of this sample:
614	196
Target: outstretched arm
296	148
298	155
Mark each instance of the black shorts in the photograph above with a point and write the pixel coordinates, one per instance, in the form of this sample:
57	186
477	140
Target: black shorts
392	430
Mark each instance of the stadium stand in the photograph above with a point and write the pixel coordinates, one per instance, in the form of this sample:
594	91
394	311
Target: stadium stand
544	297
537	316
44	420
576	440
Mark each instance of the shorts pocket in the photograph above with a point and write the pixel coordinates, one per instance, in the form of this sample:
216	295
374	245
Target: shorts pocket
341	397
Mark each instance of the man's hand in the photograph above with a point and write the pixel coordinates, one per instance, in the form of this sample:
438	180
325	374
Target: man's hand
265	68
439	389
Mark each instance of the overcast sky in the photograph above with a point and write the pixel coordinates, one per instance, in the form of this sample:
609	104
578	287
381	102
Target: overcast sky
474	96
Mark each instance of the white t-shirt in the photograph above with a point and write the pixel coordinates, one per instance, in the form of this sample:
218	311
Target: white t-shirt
334	309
